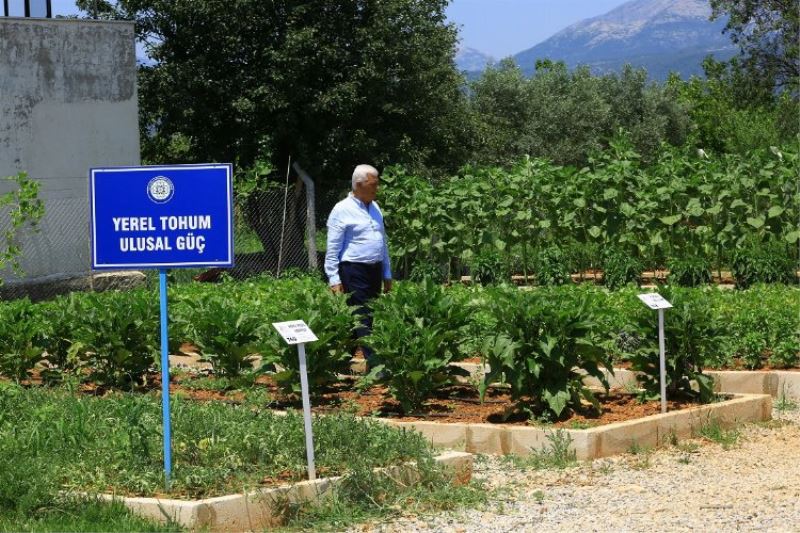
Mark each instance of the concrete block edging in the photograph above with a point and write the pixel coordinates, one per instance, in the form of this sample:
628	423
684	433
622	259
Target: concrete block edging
263	508
601	441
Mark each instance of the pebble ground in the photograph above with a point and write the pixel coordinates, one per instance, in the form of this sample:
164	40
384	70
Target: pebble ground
752	484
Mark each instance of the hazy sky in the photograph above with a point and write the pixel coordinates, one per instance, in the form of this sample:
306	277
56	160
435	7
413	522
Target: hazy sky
504	27
497	27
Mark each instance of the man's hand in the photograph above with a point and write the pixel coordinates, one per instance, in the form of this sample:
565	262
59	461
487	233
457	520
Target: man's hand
387	286
337	289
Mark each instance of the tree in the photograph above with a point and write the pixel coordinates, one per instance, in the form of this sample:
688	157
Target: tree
566	115
331	84
735	111
768	35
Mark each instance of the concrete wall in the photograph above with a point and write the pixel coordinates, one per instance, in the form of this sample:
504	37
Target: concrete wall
67	103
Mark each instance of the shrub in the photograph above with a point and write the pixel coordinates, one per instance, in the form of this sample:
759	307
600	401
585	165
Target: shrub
331	320
769	262
551	267
541	345
418	330
117	338
620	268
22	334
689	340
689	271
488	268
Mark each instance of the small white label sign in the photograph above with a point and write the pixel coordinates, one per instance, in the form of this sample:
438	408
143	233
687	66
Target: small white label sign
653	300
295	332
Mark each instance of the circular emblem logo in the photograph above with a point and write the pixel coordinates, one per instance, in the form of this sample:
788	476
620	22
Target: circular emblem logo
160	189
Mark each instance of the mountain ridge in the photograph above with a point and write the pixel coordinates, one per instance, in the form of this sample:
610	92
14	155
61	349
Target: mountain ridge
662	36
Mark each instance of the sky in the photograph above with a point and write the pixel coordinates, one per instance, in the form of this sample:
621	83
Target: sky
499	28
502	28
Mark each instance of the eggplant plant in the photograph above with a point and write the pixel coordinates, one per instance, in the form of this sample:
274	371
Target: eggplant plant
543	346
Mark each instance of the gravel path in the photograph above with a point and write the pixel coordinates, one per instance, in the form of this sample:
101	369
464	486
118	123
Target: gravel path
751	485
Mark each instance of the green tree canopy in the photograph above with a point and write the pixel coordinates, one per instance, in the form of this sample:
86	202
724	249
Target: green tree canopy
332	84
768	34
566	115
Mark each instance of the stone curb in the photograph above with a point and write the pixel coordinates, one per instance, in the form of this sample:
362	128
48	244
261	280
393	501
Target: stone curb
610	439
263	508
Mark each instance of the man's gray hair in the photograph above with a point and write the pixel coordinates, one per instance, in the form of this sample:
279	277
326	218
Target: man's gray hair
361	173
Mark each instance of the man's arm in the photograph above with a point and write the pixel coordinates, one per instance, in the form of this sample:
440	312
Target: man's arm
333	250
387	266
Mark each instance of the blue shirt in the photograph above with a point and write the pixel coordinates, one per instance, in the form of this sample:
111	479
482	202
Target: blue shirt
356	234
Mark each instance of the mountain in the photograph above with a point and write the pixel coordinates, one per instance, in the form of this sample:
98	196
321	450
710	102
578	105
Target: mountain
659	35
471	60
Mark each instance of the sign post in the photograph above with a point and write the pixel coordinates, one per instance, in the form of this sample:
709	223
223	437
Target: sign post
653	300
158	218
297	332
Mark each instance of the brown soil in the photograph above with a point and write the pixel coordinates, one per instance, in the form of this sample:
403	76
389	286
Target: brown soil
462	404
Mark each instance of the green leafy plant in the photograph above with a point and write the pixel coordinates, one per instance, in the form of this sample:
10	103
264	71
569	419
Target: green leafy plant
786	354
24	208
690	271
118	337
426	269
488	268
551	267
418	330
22	333
763	262
540	347
620	268
226	331
689	339
751	350
331	320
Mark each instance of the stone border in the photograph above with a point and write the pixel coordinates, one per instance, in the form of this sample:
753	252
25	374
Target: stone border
264	508
601	441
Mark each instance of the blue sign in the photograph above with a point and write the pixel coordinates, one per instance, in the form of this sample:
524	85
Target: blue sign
161	217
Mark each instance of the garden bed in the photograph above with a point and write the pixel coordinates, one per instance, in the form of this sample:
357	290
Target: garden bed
462	404
266	507
610	439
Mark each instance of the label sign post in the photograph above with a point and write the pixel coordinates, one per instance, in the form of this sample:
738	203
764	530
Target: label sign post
653	300
297	332
160	217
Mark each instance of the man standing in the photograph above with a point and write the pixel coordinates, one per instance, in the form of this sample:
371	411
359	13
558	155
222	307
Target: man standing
357	256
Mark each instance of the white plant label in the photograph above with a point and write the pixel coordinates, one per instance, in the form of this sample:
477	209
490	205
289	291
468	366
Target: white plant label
653	300
295	332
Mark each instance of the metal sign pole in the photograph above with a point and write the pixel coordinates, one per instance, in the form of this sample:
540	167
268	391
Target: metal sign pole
301	352
662	360
165	412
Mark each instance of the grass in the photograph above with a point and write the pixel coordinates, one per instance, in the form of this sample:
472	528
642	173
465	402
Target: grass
81	516
54	442
96	444
365	497
713	431
784	402
557	454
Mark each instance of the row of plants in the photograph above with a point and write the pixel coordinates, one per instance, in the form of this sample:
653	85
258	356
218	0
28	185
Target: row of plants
539	341
688	212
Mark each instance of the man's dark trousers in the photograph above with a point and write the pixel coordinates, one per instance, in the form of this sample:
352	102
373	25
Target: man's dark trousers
362	282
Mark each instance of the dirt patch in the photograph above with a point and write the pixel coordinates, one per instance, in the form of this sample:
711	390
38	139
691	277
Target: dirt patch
461	404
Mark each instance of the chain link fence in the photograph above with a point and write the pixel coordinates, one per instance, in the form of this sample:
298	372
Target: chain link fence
271	235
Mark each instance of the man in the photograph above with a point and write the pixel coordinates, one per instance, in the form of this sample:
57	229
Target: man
357	256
